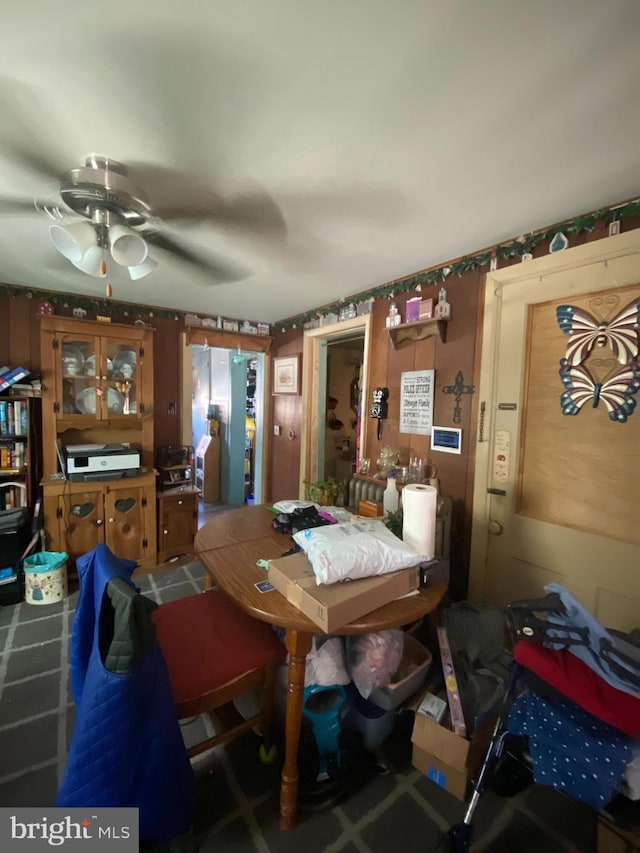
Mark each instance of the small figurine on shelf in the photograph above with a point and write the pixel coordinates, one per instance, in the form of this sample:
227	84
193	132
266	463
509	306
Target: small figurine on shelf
394	316
124	388
443	308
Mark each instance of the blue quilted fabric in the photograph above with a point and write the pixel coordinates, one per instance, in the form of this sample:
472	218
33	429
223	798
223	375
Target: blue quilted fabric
126	749
571	750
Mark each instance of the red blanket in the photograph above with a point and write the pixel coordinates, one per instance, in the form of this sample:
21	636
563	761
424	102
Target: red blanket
575	680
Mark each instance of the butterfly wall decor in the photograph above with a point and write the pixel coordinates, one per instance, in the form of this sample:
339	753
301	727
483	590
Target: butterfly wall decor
616	391
585	332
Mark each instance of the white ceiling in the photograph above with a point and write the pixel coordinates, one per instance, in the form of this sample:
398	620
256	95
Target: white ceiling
391	136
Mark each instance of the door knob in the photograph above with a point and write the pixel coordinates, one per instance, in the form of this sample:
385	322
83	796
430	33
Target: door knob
495	528
111	520
98	521
166	532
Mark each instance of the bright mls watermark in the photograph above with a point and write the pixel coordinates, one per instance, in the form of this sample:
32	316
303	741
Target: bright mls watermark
30	829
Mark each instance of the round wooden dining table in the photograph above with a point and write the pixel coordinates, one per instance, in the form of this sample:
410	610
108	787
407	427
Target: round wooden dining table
230	546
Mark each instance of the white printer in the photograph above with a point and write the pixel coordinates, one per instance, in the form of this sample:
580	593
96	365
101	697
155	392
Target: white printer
87	462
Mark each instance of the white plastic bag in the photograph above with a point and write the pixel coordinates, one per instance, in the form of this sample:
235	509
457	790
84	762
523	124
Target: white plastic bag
290	506
357	549
326	663
372	659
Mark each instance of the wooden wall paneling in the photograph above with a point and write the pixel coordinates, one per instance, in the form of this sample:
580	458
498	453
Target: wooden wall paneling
286	450
283	463
4	330
166	382
35	359
476	281
424	359
455	473
398	361
19	333
21	310
378	372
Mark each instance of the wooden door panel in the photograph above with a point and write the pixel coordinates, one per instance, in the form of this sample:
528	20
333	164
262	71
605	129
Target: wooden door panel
177	529
83	521
125	521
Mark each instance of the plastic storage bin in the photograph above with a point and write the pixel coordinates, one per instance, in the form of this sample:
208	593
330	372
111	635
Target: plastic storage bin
375	723
415	663
45	575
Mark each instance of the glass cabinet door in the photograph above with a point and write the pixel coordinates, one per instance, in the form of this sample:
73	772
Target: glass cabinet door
78	383
99	377
121	387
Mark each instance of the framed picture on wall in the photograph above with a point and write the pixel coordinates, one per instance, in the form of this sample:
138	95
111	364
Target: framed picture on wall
286	375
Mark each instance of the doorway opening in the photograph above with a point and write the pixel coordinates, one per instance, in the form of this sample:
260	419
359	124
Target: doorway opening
223	415
333	357
342	424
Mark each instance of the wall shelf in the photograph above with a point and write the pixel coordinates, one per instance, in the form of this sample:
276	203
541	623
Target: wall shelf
225	339
418	331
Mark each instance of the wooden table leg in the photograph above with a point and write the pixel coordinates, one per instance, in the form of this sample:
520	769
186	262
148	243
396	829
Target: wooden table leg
298	645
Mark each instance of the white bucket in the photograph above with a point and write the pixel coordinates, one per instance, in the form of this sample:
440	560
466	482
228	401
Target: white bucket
45	577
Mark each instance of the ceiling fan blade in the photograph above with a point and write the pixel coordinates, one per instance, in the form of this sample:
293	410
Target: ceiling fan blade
18	205
24	127
222	272
199	73
183	196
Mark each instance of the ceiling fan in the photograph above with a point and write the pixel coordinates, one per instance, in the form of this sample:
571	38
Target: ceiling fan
125	210
102	209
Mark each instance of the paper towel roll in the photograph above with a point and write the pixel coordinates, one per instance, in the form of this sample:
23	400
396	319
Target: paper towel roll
419	507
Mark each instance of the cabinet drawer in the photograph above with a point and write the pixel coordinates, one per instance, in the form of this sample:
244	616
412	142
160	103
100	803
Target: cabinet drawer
174	503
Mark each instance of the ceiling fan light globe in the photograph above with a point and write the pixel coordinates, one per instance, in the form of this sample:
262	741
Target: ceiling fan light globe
143	269
127	247
92	262
73	241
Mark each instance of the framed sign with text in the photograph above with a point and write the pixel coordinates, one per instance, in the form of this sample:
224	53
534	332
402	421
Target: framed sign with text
416	401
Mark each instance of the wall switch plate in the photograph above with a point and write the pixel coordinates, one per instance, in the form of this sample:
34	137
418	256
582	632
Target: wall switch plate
276	429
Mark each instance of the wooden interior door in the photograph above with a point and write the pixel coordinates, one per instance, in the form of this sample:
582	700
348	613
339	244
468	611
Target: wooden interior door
556	494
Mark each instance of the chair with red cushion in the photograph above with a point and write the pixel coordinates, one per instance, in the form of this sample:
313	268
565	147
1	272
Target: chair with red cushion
215	652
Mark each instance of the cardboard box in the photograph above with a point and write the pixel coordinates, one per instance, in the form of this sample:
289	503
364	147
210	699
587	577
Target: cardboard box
613	839
451	761
426	309
331	606
370	509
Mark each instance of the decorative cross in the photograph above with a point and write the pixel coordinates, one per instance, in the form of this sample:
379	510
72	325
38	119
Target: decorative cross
458	389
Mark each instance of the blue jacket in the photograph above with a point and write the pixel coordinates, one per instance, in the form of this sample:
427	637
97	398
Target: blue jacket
126	749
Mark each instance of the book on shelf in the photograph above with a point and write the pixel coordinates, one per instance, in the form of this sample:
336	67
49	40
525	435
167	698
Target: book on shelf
34	389
12	457
12	495
14	417
9	376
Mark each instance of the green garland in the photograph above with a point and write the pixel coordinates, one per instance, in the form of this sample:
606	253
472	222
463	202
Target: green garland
520	246
108	307
436	275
